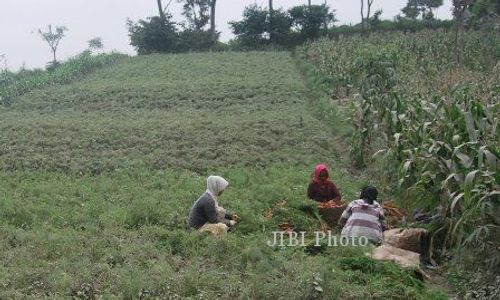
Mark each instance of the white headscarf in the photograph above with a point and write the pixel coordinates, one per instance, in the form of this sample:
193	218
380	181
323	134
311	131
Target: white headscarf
215	185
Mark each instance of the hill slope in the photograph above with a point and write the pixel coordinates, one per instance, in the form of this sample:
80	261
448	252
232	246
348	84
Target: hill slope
194	112
98	178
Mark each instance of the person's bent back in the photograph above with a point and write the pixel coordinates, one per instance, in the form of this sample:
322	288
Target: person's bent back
364	217
206	212
203	211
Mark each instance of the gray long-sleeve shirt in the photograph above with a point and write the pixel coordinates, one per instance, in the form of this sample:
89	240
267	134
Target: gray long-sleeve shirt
204	211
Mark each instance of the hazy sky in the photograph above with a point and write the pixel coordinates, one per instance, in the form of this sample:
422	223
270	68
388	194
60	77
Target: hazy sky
86	19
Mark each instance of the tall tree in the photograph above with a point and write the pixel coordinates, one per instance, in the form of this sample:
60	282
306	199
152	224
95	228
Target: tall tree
212	18
255	30
161	10
153	35
375	20
431	6
485	14
362	15
96	44
423	8
200	13
365	20
196	12
369	4
271	21
411	10
251	30
459	9
53	38
311	21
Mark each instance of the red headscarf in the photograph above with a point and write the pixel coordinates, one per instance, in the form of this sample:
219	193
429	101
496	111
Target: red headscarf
319	168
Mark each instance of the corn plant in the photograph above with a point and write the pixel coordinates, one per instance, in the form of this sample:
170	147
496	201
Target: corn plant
440	143
13	85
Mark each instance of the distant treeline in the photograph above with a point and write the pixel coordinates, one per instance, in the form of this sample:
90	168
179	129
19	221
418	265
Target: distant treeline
262	28
269	28
403	25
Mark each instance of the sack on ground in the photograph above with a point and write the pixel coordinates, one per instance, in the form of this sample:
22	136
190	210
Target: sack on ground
404	258
218	229
408	239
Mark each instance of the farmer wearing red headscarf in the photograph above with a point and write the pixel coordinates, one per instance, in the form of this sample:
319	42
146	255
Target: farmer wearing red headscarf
322	189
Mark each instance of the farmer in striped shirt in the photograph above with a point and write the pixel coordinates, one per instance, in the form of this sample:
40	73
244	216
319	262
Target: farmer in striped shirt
364	217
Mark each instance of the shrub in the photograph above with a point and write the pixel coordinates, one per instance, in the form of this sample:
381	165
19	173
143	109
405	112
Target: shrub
154	35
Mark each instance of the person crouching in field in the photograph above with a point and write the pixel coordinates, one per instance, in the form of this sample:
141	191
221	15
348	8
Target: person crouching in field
364	217
206	214
322	188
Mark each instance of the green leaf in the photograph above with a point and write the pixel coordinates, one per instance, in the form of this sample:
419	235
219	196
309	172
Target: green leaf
469	179
471	128
480	157
406	166
444	183
396	137
318	288
455	201
465	160
492	160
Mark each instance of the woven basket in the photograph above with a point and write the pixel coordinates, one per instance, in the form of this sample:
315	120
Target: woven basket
332	215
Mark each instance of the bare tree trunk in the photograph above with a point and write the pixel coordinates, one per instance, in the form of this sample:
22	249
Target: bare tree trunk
362	15
212	15
458	38
459	8
309	3
271	23
370	2
212	19
195	17
160	10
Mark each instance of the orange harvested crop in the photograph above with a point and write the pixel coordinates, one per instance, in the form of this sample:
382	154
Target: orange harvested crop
330	204
281	203
390	209
324	228
269	214
393	214
286	226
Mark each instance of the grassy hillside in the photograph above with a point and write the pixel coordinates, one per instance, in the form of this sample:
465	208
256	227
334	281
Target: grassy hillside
194	112
98	177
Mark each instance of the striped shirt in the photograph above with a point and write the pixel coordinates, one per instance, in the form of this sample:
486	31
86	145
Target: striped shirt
363	219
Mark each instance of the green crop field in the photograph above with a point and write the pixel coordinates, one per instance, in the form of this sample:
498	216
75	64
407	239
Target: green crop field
98	177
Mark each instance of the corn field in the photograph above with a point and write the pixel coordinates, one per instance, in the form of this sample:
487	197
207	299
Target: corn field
431	124
13	85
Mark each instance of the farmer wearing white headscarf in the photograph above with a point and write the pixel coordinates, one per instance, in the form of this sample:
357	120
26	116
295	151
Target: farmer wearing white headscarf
206	214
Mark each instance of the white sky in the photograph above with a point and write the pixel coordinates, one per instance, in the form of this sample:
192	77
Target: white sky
86	19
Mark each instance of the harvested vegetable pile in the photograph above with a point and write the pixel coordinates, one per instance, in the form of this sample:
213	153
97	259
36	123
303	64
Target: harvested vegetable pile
393	214
331	212
280	204
330	204
286	226
269	214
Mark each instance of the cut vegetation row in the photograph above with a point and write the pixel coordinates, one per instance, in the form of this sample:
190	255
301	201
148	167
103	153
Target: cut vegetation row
99	175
